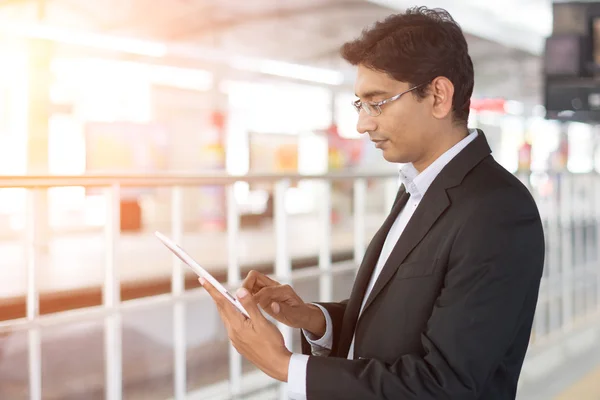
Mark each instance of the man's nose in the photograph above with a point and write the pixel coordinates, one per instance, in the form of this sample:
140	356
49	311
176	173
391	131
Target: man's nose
365	123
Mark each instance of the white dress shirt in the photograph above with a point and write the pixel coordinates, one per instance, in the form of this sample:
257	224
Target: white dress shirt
416	185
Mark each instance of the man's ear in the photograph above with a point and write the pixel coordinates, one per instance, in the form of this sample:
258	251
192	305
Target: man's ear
442	91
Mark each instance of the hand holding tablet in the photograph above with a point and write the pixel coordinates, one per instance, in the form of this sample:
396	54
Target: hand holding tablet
201	272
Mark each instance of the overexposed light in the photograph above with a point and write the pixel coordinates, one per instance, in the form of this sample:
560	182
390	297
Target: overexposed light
581	148
513	129
490	118
346	116
566	114
289	70
160	49
81	70
312	154
280	108
597	159
545	139
86	39
514	107
538	111
185	78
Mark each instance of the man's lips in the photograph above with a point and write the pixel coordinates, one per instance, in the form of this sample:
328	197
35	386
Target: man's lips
379	142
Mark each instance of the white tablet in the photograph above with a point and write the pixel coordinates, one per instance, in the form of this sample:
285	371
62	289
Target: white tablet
201	272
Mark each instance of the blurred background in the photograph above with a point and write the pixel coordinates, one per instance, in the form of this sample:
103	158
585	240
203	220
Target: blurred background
228	126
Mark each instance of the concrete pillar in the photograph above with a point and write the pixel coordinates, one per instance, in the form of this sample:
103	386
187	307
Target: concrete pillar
38	115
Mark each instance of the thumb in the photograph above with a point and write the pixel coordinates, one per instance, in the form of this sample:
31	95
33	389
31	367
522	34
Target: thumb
275	307
249	304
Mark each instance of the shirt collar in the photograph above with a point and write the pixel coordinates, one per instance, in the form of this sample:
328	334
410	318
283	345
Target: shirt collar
416	183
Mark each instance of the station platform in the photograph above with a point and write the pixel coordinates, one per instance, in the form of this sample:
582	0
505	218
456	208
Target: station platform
71	271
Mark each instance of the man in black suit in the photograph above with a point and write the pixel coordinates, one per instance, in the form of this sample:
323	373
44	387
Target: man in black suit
443	303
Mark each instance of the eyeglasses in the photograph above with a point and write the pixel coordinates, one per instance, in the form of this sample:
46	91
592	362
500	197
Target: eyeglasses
374	108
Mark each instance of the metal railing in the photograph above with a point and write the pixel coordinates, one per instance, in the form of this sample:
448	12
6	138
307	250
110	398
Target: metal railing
113	307
570	292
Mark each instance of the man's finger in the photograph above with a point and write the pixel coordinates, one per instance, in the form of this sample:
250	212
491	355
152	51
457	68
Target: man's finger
249	304
255	281
272	294
212	291
229	314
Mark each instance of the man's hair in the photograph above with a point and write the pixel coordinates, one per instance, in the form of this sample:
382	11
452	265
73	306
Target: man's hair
416	47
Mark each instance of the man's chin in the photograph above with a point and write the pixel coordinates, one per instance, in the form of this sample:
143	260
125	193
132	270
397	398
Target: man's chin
392	157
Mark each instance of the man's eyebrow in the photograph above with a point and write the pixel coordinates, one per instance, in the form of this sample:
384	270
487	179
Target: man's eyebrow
371	93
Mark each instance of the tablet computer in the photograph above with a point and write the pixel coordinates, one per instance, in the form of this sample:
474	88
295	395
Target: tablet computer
201	272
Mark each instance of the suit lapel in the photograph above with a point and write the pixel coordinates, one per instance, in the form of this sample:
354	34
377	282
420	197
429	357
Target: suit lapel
364	274
429	210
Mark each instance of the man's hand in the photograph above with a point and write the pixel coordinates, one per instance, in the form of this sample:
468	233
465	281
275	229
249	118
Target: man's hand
256	338
282	303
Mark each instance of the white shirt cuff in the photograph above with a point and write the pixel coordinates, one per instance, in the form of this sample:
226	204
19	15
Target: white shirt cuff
296	385
323	344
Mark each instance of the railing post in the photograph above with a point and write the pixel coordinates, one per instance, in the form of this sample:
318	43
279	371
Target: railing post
590	264
541	321
597	231
33	259
578	249
112	296
233	280
325	279
360	205
554	273
566	233
177	289
283	266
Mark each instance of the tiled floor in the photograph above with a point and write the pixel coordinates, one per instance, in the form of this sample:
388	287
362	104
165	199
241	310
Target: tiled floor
587	388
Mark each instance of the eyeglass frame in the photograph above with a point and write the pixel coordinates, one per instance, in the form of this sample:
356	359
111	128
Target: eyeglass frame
359	105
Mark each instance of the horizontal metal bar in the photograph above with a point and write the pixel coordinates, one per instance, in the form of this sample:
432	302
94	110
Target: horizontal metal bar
97	312
172	179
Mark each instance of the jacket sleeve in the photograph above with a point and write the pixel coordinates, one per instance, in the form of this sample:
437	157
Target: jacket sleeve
336	312
489	296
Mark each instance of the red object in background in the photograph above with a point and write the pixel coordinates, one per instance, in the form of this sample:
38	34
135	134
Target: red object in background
333	137
217	118
333	130
212	153
496	105
352	148
525	157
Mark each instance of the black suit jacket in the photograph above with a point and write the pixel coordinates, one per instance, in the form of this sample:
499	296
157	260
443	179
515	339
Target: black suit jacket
450	315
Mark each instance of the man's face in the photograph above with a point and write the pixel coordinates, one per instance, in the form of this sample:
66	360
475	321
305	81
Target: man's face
403	129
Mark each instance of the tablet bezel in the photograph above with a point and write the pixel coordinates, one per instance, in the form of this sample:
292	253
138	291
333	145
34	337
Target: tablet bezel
201	272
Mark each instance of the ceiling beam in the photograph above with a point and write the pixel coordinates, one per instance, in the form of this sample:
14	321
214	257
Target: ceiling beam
181	31
482	23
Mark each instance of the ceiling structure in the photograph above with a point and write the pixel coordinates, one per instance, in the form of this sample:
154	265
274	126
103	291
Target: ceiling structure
504	41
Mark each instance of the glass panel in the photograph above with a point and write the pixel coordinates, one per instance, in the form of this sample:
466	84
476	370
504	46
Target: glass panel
73	361
14	366
308	290
342	285
148	353
207	345
13	277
